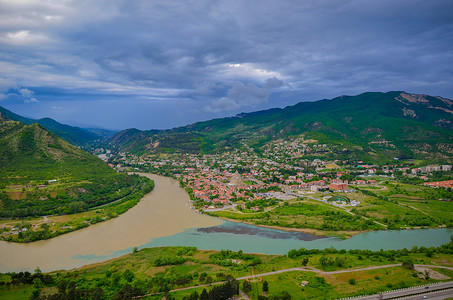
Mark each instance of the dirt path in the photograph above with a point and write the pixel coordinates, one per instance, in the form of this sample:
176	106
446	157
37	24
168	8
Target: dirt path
308	269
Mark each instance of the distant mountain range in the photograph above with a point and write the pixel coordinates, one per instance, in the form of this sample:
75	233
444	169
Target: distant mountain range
374	126
74	135
370	126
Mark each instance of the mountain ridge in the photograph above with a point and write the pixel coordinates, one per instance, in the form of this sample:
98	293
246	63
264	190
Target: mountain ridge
43	174
72	134
384	125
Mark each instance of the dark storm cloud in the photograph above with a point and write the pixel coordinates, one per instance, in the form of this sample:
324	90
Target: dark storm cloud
225	56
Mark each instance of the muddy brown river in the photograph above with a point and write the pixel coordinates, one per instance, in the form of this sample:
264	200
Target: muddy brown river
163	218
163	212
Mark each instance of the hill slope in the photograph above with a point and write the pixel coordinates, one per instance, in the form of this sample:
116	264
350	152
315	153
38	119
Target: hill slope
376	126
42	174
74	135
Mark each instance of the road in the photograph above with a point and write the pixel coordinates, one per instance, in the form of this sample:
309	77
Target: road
346	210
438	295
419	291
386	295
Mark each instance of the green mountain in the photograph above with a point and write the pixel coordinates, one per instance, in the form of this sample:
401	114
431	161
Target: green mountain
74	135
41	174
371	126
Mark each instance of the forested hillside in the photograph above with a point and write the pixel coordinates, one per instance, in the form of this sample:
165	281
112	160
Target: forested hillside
372	126
74	135
42	174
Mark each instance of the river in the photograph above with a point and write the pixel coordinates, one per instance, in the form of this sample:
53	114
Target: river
163	218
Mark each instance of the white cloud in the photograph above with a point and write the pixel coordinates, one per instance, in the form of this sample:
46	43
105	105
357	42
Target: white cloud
248	95
207	88
31	100
23	38
20	35
162	49
24	95
25	92
240	95
272	83
222	105
246	71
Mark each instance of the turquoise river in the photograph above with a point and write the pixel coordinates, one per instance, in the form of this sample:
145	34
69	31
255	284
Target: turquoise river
163	218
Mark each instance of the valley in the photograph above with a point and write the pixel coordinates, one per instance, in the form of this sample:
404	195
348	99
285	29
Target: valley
293	187
372	192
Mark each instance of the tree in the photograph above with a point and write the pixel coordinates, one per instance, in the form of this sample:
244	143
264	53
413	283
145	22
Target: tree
37	286
127	292
427	275
61	286
352	281
116	277
37	283
305	262
71	294
246	287
204	295
35	293
128	275
38	271
98	294
408	264
323	261
265	286
193	296
339	261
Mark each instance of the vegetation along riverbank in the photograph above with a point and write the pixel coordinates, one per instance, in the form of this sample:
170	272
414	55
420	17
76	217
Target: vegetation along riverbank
35	228
189	273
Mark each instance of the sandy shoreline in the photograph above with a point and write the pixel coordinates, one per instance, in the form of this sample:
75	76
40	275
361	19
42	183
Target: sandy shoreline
343	234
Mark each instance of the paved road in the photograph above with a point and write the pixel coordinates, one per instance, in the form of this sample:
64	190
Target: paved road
439	295
346	210
387	295
415	290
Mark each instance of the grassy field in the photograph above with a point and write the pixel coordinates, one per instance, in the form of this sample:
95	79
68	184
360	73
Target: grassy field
159	270
391	205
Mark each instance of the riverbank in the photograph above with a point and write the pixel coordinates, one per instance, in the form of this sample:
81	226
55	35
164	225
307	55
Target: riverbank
160	213
301	273
164	218
321	233
48	227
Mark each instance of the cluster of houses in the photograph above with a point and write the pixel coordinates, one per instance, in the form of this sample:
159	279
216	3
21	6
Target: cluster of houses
225	186
440	184
218	188
293	148
280	169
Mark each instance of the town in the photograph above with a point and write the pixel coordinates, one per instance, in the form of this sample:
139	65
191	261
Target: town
249	180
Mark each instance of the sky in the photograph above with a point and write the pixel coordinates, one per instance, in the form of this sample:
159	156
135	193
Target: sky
149	64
